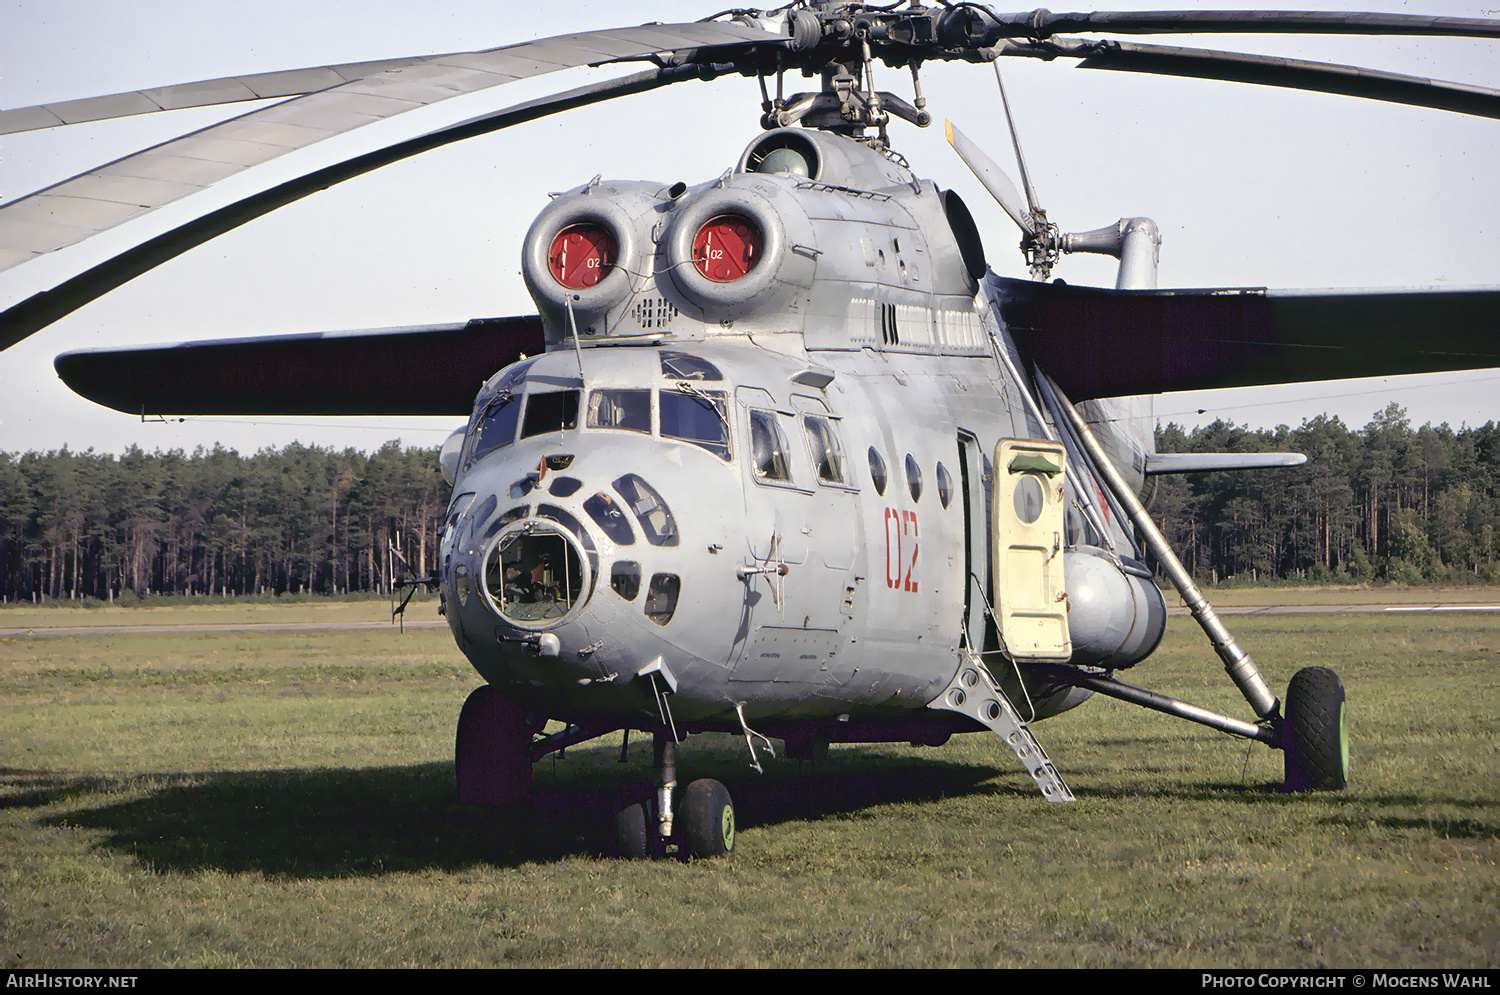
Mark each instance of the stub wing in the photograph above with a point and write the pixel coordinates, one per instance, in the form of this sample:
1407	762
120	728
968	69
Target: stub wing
418	370
1201	462
1109	343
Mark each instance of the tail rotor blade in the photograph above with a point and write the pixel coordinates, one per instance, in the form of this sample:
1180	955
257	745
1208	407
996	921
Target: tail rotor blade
994	179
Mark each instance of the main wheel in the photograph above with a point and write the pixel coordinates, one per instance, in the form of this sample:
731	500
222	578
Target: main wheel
1315	732
708	819
636	836
492	757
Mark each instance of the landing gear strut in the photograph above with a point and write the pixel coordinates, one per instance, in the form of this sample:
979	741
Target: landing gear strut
649	821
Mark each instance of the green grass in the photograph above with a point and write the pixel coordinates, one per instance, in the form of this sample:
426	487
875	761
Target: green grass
286	799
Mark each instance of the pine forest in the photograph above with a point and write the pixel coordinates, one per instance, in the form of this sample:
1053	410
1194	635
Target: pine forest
1383	504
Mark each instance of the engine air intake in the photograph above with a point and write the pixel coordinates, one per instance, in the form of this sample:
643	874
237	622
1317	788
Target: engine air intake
581	255
727	248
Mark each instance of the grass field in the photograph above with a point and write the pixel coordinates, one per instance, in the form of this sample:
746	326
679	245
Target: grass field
286	799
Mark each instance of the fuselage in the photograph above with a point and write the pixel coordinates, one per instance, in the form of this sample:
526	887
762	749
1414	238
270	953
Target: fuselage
756	457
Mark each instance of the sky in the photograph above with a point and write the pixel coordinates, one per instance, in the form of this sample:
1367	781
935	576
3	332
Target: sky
1251	186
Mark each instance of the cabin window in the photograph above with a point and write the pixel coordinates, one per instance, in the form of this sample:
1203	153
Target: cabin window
564	486
681	366
556	411
877	471
913	478
655	518
625	579
622	410
661	598
608	516
768	448
696	416
827	454
945	485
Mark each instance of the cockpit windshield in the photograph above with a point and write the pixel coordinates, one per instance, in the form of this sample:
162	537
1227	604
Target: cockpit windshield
510	407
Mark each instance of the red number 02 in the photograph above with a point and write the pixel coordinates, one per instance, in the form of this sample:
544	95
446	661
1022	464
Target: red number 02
905	525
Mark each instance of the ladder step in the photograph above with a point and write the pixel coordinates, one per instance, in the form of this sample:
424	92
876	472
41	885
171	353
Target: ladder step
975	693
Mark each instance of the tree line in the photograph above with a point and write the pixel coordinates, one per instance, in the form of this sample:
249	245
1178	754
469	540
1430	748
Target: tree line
1385	503
300	519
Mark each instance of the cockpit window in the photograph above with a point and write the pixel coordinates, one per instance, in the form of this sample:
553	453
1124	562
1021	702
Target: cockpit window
656	520
828	455
625	410
681	366
551	412
690	414
768	448
495	425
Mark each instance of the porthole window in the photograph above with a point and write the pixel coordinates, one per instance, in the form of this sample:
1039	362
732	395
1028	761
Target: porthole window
661	597
1029	498
608	516
768	448
655	518
877	471
913	478
625	579
945	485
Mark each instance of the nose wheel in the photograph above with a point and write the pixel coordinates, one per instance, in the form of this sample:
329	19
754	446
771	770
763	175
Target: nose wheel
651	822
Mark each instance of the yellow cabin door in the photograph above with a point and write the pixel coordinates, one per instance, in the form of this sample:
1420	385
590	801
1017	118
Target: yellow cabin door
1030	591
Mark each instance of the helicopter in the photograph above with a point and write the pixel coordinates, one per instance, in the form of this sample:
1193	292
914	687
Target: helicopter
785	459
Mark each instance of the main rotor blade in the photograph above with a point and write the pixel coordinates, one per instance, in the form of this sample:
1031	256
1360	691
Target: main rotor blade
994	179
204	93
1109	343
42	309
1042	23
1237	67
85	205
422	370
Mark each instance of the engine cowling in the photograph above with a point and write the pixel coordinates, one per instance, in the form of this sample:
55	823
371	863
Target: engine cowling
1115	618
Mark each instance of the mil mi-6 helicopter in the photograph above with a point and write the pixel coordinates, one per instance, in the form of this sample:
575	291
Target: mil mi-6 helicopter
780	456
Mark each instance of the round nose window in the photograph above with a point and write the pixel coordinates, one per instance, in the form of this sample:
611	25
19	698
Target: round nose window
1028	499
534	577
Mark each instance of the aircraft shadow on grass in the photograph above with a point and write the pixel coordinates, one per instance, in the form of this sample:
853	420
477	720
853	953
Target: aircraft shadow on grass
371	821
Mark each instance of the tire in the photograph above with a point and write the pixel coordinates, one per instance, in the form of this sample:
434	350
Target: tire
492	755
636	837
1315	732
708	819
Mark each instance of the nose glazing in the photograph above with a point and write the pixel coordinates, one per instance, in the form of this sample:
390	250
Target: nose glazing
534	575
